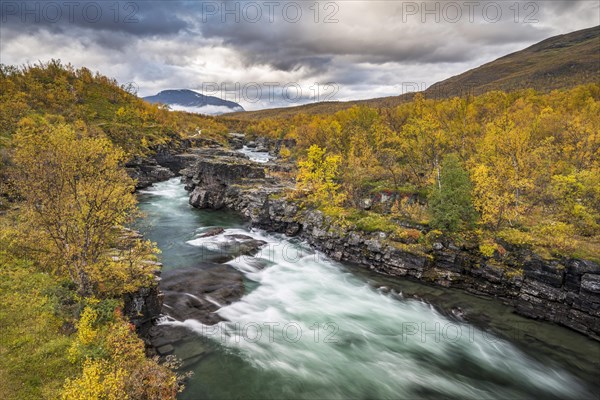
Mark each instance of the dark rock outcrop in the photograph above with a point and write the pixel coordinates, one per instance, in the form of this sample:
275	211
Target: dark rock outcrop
210	232
193	293
196	293
146	172
214	172
143	307
166	161
237	140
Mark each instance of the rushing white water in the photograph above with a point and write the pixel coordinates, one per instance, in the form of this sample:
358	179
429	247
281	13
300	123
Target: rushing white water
323	326
309	329
258	156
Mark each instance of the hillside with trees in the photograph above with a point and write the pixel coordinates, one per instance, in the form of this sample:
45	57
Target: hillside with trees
498	167
60	93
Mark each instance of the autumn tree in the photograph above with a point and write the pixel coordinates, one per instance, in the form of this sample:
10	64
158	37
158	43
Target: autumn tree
577	198
77	196
317	177
491	200
424	141
450	200
54	89
285	153
532	157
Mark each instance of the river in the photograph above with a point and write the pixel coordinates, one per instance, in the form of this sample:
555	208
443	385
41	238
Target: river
312	328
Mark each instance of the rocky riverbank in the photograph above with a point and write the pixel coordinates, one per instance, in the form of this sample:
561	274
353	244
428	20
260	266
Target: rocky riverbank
563	291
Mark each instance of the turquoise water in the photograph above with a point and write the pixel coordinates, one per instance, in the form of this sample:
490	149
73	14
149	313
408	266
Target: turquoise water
312	328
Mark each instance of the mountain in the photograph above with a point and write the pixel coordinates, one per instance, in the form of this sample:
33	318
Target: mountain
188	100
561	61
558	62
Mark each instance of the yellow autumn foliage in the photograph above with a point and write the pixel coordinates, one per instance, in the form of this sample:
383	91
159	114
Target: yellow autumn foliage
317	178
76	198
528	153
99	380
114	363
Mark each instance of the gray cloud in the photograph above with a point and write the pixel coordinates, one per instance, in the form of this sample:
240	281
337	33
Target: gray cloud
138	18
373	49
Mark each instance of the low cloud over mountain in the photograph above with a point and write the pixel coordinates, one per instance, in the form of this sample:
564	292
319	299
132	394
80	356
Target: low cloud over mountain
190	101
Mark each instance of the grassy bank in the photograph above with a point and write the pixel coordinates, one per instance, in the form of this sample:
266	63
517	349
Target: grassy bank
33	349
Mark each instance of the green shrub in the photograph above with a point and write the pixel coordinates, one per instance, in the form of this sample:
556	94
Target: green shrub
516	237
487	248
450	200
376	223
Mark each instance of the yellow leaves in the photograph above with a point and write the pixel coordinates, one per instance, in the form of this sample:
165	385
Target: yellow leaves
284	153
85	331
577	199
99	380
316	177
75	193
114	363
489	197
506	163
512	143
409	209
488	247
516	237
558	235
554	236
51	89
424	141
126	269
86	342
123	343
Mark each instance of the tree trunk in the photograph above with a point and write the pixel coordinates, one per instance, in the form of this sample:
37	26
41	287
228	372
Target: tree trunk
85	284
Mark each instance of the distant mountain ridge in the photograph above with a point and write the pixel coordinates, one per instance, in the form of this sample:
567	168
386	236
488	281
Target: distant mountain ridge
188	100
558	62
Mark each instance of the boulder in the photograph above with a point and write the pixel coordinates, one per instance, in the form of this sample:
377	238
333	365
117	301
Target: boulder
196	293
590	283
217	230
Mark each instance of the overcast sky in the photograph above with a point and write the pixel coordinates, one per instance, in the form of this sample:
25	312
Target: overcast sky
295	52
